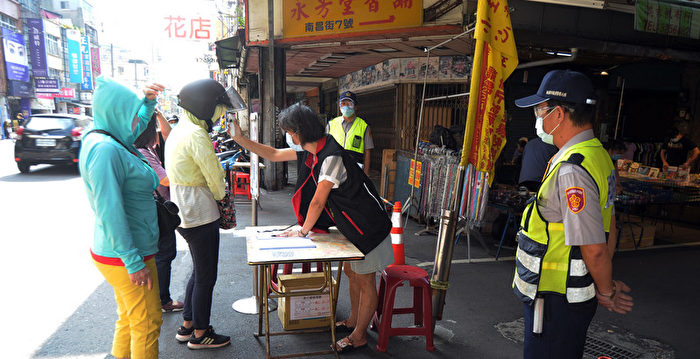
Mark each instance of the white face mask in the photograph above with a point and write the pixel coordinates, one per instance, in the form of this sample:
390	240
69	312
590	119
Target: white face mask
292	145
347	111
546	137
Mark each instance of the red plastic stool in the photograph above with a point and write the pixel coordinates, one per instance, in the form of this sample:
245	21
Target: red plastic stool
392	278
241	184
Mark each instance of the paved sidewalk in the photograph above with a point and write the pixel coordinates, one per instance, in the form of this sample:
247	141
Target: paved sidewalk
664	282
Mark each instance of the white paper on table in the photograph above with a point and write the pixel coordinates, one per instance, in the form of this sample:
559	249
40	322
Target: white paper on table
276	243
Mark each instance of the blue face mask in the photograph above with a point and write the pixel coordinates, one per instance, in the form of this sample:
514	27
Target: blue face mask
292	145
347	111
616	157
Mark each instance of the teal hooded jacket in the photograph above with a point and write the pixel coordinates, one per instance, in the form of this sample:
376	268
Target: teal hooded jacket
119	184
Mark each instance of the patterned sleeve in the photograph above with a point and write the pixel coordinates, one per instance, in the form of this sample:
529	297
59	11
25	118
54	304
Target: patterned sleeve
333	170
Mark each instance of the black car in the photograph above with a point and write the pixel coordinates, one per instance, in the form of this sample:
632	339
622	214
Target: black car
49	138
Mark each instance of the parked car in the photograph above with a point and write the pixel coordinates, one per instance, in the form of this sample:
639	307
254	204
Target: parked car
49	138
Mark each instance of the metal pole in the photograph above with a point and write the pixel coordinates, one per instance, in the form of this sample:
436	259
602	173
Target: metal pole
411	199
446	97
619	108
445	248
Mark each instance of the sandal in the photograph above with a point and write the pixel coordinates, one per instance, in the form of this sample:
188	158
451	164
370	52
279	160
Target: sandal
341	327
345	346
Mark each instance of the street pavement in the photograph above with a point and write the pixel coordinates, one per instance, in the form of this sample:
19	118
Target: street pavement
57	305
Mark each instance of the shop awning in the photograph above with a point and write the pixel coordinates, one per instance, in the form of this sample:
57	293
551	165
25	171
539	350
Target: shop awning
228	52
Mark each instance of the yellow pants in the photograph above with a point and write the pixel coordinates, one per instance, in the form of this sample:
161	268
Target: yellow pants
138	327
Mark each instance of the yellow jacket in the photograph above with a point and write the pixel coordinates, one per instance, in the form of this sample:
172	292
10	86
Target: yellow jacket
195	174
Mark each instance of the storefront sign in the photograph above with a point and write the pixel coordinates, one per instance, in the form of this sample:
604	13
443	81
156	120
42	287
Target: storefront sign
42	104
47	85
86	63
326	17
74	67
15	55
666	18
19	88
188	28
95	60
37	48
410	69
46	96
66	92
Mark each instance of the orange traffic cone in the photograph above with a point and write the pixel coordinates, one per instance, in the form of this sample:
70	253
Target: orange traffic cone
397	235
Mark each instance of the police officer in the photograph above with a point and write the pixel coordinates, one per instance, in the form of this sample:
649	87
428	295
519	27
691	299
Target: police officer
563	264
352	132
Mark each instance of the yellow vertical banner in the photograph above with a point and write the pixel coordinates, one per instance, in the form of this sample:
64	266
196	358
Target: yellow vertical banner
495	58
411	172
416	178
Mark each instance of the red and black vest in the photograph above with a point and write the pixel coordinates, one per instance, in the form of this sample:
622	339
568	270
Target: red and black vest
355	207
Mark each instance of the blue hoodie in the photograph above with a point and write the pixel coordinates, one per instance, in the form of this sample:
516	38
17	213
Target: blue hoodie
119	184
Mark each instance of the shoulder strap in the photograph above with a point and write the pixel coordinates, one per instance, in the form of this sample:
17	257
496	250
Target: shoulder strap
119	142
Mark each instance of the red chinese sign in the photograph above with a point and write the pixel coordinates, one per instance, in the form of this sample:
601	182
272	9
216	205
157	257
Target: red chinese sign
189	28
326	17
66	92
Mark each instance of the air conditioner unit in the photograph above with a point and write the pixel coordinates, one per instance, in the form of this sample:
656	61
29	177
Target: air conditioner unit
595	4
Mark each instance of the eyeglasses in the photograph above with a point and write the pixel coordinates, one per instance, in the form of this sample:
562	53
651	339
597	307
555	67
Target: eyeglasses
539	111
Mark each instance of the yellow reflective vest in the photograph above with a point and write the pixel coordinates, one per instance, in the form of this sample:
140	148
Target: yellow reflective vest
355	138
544	263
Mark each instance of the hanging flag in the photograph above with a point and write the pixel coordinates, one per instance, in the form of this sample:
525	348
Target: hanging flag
495	58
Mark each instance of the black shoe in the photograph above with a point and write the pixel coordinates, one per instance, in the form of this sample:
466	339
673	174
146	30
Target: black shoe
209	340
184	334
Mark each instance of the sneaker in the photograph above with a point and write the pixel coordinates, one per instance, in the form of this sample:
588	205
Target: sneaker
209	340
184	334
173	306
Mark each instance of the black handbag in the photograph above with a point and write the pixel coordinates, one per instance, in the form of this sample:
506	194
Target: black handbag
168	218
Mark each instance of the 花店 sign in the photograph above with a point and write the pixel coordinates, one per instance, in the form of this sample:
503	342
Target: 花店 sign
326	17
188	28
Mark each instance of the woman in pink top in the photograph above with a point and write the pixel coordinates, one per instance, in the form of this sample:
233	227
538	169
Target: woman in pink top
167	249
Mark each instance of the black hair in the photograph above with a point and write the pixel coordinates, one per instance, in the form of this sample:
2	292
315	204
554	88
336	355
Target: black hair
522	142
618	146
581	114
303	121
148	135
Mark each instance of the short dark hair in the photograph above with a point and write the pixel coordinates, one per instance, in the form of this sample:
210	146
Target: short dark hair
580	114
303	121
148	135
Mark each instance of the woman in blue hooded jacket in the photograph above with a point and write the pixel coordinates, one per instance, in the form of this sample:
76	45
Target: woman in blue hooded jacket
120	189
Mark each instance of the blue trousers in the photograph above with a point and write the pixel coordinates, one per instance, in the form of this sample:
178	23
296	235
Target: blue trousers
563	331
204	248
167	250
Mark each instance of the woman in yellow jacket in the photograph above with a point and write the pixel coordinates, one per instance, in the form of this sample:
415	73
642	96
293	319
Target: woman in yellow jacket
196	183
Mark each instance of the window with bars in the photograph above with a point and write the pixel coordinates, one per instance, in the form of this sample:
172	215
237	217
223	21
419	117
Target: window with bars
8	22
53	46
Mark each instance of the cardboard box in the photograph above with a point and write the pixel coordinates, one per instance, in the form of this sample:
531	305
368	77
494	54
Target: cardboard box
388	166
303	312
645	228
